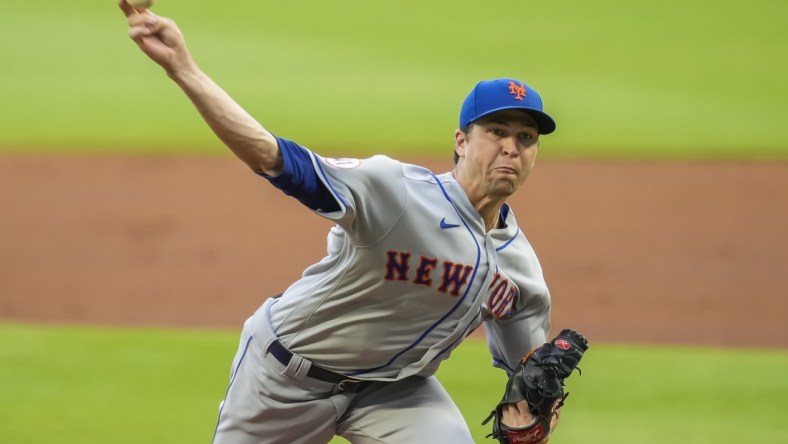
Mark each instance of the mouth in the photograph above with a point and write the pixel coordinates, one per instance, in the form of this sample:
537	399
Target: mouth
506	170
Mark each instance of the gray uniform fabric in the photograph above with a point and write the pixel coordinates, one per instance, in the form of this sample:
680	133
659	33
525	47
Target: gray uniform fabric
270	403
409	273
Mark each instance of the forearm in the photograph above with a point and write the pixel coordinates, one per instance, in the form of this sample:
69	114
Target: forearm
511	339
238	130
161	40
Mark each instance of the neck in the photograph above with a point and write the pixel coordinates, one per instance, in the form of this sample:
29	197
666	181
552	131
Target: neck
491	213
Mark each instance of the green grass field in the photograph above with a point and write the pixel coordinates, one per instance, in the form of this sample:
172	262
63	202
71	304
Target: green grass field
635	79
647	80
107	385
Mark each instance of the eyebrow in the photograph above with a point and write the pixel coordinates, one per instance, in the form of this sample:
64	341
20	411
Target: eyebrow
507	122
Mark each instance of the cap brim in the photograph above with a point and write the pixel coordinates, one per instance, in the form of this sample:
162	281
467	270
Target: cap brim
545	124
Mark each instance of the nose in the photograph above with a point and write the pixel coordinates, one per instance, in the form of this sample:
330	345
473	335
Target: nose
509	147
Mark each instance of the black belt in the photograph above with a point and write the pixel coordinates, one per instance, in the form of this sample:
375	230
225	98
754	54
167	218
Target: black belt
284	356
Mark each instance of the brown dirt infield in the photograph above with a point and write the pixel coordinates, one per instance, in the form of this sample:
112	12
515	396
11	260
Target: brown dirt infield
681	253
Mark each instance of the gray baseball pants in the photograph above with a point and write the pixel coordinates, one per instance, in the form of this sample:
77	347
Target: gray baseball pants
268	402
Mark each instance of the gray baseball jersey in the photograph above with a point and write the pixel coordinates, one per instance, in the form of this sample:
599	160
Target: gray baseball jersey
409	273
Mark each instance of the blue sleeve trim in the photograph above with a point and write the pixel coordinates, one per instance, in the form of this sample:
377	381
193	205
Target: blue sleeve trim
328	182
300	180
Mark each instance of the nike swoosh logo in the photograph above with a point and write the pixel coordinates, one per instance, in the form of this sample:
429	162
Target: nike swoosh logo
445	225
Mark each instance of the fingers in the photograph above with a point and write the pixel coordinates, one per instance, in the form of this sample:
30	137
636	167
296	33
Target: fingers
137	17
517	415
127	9
144	24
556	417
522	408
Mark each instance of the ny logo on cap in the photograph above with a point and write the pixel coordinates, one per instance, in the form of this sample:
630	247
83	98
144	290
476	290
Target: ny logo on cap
517	90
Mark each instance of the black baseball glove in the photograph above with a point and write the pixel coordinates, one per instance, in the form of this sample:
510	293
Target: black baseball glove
539	380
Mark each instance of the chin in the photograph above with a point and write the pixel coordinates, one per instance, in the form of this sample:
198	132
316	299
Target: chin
503	188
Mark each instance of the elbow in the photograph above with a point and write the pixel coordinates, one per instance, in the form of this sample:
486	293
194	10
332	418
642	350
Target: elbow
264	157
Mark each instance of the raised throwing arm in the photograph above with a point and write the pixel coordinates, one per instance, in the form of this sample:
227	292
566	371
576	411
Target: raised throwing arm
161	40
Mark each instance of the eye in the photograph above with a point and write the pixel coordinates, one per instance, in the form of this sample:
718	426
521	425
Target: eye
497	131
526	138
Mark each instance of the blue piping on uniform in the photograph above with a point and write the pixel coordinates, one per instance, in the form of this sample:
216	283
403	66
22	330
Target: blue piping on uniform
235	373
509	241
503	363
459	302
460	338
504	212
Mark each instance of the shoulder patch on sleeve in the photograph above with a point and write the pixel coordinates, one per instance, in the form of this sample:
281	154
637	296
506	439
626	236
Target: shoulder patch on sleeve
343	162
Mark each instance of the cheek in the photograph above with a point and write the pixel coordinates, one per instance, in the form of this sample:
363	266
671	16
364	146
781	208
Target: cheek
526	160
530	157
528	163
478	156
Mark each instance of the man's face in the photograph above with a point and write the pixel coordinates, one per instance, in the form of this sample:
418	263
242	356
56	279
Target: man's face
498	152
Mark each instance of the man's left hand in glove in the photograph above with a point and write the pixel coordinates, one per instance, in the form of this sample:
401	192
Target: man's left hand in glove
530	408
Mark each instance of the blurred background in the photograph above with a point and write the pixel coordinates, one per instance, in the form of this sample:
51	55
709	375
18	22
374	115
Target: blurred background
133	245
666	79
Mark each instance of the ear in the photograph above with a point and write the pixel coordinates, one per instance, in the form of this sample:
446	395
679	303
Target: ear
460	142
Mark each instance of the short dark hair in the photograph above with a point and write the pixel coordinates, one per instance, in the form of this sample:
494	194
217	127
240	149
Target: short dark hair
466	130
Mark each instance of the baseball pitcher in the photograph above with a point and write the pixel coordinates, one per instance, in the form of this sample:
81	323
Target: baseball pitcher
414	263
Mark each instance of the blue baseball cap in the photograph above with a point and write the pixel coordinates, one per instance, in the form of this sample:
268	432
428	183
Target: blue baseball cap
489	96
